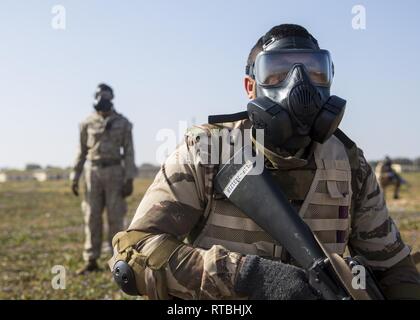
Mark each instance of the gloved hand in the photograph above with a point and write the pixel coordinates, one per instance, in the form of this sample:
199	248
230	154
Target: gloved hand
263	279
75	188
127	189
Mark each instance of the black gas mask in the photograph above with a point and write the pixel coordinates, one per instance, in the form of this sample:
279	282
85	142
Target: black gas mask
293	105
103	98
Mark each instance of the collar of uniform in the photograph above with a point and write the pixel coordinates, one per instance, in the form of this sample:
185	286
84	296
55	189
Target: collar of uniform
283	162
97	116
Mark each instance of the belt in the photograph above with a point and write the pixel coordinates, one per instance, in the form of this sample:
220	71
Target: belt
105	163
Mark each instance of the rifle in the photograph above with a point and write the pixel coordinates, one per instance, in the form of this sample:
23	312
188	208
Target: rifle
329	274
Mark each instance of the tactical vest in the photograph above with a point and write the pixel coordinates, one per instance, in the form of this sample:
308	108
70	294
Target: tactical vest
324	197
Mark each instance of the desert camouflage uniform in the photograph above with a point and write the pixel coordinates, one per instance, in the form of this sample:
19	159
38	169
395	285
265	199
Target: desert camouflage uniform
182	204
387	176
105	171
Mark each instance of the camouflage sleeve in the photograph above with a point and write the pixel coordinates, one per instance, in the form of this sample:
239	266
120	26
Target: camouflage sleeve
173	205
81	153
374	234
128	155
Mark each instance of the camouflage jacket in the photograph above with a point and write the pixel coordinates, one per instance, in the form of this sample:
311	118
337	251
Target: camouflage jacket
176	202
103	139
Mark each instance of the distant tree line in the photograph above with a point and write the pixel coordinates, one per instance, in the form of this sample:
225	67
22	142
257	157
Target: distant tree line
35	166
406	161
146	166
401	161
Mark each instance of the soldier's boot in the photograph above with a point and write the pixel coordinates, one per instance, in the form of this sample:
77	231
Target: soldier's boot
397	193
89	266
416	259
397	189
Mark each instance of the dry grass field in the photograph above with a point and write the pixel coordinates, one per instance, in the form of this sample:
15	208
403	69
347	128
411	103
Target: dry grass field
41	226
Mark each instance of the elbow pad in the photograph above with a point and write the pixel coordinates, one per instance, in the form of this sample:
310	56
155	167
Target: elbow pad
129	266
125	278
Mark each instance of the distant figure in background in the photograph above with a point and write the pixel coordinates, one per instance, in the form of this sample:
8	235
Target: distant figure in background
106	143
416	259
388	176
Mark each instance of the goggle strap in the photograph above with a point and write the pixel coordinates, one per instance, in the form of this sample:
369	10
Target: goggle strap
291	43
249	71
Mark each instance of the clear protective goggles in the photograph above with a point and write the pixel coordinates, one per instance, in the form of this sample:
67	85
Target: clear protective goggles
272	67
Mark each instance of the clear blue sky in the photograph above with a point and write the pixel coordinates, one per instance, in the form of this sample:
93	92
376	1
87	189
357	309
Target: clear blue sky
180	60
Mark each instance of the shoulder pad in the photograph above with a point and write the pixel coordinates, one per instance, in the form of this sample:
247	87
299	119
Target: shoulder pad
90	118
200	130
194	133
120	116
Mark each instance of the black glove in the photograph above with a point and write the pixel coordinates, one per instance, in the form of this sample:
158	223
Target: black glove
127	189
75	188
263	279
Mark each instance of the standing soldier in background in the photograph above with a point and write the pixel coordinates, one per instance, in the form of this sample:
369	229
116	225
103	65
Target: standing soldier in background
388	176
106	143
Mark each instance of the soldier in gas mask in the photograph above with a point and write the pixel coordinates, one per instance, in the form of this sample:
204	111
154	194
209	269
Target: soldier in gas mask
387	176
189	241
106	154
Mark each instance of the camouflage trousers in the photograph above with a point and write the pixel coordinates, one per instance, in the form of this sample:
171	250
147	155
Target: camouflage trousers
391	180
103	190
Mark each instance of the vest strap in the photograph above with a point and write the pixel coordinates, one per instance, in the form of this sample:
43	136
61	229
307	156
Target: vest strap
325	199
333	174
327	224
333	190
339	248
262	248
348	143
233	222
126	239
